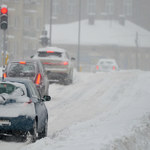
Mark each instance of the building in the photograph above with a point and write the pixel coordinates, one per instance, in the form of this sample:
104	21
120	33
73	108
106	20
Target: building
25	24
142	13
135	56
65	11
27	19
68	10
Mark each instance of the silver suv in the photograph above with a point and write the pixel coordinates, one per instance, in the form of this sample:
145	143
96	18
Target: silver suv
57	63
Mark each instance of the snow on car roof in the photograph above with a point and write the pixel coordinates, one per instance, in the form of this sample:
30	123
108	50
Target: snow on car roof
56	49
105	59
12	109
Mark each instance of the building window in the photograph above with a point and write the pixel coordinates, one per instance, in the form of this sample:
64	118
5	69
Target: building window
30	1
28	22
127	7
38	23
56	7
109	7
14	48
16	22
71	7
10	21
91	6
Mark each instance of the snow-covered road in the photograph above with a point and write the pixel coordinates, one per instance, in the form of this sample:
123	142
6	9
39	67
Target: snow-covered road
99	111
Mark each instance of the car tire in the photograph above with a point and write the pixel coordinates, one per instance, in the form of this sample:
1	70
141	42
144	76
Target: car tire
66	81
44	132
69	79
31	136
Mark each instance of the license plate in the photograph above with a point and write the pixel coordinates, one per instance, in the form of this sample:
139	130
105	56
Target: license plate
5	122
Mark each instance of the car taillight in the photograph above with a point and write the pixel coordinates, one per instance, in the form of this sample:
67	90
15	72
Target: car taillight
65	63
114	67
29	102
97	67
4	75
22	62
50	51
38	79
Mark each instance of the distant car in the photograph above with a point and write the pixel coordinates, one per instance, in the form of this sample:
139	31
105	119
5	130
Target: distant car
57	63
22	111
32	69
107	65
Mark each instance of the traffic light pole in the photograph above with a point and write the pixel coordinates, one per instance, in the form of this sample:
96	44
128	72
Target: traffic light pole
4	49
4	26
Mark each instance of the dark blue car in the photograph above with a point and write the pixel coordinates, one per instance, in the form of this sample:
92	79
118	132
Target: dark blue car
22	110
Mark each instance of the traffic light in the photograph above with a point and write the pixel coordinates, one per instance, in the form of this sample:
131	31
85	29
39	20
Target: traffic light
3	17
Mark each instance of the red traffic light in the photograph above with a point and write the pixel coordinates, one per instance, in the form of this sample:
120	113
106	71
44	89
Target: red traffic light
4	10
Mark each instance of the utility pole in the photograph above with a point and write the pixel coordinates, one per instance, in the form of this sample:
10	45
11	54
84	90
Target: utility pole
4	48
50	23
4	26
79	36
137	47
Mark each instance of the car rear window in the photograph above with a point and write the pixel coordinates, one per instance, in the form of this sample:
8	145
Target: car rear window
6	88
107	62
49	54
21	70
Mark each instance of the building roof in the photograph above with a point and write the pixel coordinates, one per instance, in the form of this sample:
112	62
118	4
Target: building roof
103	32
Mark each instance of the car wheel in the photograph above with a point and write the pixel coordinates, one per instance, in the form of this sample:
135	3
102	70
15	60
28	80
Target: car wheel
69	79
1	137
44	132
31	136
66	81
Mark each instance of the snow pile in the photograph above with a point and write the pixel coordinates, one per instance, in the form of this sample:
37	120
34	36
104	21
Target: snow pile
101	111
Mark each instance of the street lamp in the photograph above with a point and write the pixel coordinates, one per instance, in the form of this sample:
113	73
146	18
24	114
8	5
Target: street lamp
51	15
137	47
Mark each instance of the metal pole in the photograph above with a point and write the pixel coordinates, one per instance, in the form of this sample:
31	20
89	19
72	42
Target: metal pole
137	47
79	36
50	29
4	50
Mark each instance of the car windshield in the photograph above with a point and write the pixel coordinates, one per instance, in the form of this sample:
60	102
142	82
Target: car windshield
49	54
21	70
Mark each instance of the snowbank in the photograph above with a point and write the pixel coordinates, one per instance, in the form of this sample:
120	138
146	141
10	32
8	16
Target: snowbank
101	111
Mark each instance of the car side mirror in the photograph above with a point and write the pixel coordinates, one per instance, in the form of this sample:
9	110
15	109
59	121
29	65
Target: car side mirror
46	98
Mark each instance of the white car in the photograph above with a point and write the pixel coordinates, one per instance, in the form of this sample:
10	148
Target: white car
107	65
23	112
57	63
